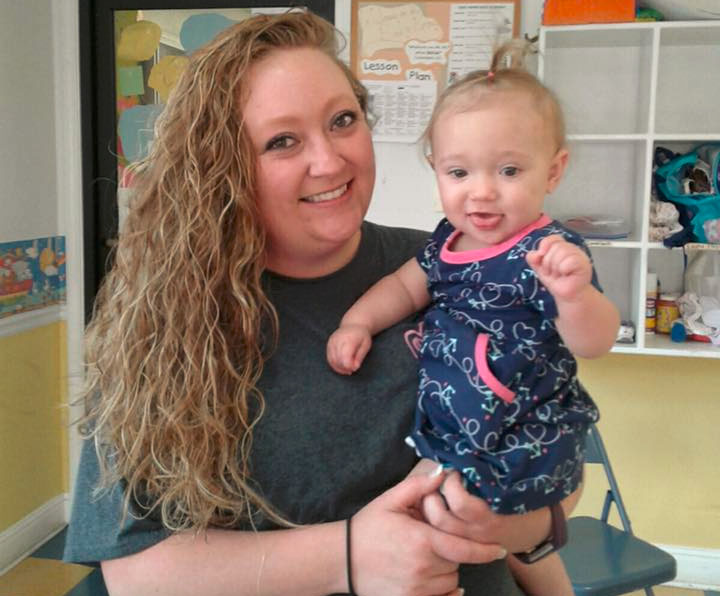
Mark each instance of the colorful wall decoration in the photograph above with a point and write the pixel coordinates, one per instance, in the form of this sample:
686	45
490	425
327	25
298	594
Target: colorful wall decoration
32	274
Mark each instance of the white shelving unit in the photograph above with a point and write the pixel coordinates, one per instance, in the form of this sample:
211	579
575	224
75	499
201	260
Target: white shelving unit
627	88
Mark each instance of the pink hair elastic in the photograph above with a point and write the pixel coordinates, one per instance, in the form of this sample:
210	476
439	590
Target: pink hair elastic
490	76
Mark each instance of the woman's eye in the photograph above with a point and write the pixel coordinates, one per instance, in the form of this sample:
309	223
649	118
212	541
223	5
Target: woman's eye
344	119
280	142
510	171
457	173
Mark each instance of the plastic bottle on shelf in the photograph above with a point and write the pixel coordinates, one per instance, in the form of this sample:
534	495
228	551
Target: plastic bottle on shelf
651	295
666	312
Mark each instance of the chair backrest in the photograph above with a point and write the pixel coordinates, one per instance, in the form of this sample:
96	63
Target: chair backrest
596	454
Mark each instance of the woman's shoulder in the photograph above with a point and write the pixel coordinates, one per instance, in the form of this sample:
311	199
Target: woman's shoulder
395	238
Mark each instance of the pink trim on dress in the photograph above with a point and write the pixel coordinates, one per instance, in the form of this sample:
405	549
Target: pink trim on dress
482	254
486	374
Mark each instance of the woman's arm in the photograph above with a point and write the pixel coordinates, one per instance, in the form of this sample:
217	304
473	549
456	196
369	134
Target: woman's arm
387	302
393	552
224	562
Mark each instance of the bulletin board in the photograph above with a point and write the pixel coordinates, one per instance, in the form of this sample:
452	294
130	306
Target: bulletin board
406	53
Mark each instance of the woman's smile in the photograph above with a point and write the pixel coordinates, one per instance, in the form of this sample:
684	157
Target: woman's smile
329	195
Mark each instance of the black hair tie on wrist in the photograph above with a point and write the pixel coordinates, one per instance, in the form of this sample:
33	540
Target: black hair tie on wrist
348	557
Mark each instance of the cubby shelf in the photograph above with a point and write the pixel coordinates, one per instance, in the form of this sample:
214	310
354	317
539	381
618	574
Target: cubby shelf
626	89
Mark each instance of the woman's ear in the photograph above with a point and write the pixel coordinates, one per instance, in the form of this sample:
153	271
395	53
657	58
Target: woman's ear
429	159
557	169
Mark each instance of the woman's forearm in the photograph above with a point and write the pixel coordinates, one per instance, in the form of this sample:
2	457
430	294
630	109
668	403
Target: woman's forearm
308	561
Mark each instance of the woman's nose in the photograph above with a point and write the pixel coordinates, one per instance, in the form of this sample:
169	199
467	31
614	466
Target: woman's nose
325	158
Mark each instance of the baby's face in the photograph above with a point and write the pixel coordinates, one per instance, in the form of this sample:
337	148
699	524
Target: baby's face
494	165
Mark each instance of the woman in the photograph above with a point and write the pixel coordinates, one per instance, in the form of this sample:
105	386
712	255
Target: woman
231	456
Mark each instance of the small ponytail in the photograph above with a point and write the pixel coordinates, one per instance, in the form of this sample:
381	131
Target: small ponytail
507	73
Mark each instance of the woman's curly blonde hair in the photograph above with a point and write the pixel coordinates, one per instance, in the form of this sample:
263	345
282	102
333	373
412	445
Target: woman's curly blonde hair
175	347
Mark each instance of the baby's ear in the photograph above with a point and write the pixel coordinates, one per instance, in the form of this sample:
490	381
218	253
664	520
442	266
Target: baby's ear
557	169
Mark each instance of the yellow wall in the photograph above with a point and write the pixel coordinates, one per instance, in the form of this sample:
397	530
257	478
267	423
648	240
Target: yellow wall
660	421
33	442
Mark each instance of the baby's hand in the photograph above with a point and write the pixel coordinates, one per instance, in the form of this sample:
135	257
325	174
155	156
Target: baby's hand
562	267
347	348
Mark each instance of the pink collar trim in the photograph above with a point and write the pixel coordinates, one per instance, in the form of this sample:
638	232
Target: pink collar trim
481	254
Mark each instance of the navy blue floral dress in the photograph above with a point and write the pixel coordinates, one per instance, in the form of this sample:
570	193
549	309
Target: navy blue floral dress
498	397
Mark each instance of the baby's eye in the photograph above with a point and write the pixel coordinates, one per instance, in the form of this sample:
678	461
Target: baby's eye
344	119
510	171
457	173
280	142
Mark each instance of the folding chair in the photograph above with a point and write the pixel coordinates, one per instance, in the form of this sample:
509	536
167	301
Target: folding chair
603	560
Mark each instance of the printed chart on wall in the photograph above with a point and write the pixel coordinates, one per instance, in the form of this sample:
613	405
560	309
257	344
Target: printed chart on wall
406	53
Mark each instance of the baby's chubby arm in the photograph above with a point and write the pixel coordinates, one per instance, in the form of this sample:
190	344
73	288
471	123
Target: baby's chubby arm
387	302
587	321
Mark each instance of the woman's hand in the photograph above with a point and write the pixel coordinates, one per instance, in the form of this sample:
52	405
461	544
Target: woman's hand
395	553
455	511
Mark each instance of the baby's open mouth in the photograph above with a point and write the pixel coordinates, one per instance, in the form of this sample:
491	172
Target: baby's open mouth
485	220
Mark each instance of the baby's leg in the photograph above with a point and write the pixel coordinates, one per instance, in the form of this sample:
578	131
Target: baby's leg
546	577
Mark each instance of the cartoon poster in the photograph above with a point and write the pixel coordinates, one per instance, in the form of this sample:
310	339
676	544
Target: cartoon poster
32	274
406	53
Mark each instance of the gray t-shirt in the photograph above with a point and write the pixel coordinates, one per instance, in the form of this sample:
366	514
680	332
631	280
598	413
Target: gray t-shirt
327	444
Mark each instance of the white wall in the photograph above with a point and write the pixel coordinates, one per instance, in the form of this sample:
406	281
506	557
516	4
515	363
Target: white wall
66	46
28	189
405	189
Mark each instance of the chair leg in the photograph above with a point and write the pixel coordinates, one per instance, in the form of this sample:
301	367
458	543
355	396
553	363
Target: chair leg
649	592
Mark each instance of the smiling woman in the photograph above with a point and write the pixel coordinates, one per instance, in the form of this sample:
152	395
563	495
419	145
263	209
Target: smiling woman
223	456
315	161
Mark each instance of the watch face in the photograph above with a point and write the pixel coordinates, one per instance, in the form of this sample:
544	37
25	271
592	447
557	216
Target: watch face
540	551
556	540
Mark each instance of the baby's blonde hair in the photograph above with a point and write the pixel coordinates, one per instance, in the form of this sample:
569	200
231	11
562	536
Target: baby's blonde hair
507	74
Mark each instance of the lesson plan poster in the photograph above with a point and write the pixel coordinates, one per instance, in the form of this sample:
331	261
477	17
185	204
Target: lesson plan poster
406	53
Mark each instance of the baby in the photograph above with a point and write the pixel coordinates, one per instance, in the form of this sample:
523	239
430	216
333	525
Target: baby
510	295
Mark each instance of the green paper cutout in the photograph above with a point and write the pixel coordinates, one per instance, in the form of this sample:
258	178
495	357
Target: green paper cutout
130	80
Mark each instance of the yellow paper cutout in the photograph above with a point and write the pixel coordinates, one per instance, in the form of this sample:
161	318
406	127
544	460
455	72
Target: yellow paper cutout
123	18
138	42
165	74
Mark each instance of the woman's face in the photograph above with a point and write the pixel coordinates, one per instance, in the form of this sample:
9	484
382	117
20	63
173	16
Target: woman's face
315	162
